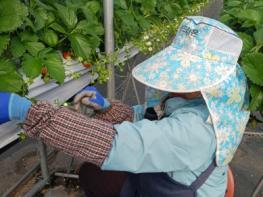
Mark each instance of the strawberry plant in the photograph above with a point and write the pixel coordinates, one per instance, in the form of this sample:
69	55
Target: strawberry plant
246	18
36	34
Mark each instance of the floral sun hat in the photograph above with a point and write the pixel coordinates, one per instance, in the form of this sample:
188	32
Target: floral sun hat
203	57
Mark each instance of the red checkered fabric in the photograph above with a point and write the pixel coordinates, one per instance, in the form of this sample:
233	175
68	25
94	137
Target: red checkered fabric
117	113
73	133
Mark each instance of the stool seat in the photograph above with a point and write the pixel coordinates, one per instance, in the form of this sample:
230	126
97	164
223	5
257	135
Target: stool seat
230	184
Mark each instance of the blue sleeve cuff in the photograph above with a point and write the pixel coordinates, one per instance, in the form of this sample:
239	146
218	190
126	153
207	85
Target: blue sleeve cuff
4	113
106	104
18	107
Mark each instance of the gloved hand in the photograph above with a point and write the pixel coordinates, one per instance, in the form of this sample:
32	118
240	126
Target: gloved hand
13	107
92	98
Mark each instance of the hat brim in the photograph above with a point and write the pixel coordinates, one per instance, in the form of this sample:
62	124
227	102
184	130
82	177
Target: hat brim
174	70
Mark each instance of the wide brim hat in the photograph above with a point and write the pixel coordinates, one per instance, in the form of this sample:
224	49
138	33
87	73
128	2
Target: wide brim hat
203	57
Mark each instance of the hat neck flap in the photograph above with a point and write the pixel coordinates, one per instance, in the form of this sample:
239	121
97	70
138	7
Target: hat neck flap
227	103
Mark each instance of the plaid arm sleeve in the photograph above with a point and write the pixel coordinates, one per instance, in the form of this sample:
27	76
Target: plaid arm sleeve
71	132
117	113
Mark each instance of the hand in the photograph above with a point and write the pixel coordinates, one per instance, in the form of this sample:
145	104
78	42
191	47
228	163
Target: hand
90	97
13	107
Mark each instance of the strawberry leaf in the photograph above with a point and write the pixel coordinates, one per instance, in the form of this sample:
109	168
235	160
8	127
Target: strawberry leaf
11	82
57	27
12	14
6	66
31	66
55	66
4	41
80	45
257	97
252	65
17	48
34	47
67	15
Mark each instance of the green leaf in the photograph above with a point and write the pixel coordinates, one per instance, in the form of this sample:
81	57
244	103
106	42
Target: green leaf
31	66
67	15
26	36
252	65
226	18
29	23
127	18
17	48
11	82
256	93
234	3
46	6
121	4
75	4
258	35
4	41
12	15
55	66
143	22
92	7
34	47
6	66
247	24
50	18
44	51
169	11
57	27
258	4
90	10
149	5
250	14
85	27
41	17
50	37
94	42
248	42
80	45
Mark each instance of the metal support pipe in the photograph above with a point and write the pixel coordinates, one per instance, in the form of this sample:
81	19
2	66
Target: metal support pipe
67	175
44	170
37	187
258	188
109	45
43	160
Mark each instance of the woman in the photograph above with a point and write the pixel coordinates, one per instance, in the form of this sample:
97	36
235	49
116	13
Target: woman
181	146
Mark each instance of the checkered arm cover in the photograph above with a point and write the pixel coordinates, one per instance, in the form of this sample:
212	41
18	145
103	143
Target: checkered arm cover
117	113
73	133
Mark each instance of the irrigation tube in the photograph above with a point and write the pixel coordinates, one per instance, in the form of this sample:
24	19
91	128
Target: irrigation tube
109	45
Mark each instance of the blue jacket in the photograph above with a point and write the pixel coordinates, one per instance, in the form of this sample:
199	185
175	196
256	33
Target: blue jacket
182	144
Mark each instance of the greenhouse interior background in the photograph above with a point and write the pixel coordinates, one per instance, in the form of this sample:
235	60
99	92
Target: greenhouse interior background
51	49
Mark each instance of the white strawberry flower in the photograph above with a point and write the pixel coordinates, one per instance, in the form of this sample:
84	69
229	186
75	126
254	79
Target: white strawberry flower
148	43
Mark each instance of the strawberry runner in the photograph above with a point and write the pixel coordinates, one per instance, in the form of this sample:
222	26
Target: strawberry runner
89	139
